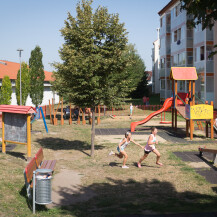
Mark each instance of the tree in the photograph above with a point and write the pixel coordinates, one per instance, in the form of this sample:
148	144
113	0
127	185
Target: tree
203	11
25	83
142	87
37	76
135	71
93	68
6	91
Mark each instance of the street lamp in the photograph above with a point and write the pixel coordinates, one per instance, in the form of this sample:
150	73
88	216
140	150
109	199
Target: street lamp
20	50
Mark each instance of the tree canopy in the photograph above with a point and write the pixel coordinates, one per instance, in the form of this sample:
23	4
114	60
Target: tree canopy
204	12
93	68
37	76
6	91
25	83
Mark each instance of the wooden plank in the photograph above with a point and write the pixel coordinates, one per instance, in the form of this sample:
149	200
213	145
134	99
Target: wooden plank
214	151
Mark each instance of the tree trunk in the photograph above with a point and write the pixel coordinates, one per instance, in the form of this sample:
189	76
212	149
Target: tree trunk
92	133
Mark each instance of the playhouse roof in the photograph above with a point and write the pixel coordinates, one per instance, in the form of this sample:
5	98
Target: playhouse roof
183	73
17	109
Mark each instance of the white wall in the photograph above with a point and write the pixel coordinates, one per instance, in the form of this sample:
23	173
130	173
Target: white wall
48	95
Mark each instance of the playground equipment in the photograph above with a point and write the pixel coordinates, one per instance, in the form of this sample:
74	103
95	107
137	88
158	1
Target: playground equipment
16	126
167	104
184	103
39	111
187	109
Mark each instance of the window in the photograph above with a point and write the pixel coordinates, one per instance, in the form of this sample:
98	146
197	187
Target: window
178	10
162	63
169	84
202	53
209	51
179	34
175	36
195	54
161	22
181	85
162	84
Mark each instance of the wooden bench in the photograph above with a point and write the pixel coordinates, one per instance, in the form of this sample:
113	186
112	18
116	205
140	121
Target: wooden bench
214	151
44	164
36	163
28	175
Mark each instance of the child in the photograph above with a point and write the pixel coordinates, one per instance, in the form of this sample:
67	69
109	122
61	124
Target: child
131	110
150	147
122	145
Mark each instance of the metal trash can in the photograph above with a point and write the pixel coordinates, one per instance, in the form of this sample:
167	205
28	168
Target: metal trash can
43	186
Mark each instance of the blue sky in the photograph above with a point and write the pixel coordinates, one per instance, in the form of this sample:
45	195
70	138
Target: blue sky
27	23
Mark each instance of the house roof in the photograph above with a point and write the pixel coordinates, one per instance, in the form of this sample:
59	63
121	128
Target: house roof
11	68
168	6
183	73
17	109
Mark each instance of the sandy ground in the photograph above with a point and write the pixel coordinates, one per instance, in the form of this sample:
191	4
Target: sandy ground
116	139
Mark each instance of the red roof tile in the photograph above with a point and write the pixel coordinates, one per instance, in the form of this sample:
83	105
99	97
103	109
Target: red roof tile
17	109
11	68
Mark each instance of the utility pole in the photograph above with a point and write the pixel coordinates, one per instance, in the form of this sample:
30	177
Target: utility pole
20	50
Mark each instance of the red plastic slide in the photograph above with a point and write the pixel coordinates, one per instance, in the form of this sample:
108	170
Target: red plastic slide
167	104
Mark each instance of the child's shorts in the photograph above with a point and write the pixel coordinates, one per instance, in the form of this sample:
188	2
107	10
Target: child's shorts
122	149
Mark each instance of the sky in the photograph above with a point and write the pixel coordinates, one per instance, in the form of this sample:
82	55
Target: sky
27	23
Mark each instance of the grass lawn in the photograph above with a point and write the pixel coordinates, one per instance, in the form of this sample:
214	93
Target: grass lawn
173	188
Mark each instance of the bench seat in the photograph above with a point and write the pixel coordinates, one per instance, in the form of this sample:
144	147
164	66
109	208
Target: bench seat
213	151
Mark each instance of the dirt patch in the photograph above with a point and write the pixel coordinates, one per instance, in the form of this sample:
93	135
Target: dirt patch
116	139
199	165
67	189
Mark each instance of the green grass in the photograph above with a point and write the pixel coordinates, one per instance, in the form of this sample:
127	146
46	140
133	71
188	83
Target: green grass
173	188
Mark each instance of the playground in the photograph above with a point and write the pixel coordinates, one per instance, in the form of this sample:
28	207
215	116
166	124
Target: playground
85	186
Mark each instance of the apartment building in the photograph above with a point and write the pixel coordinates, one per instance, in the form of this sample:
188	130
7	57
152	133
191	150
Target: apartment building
183	46
155	65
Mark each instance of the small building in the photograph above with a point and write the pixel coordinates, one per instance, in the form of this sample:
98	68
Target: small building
10	69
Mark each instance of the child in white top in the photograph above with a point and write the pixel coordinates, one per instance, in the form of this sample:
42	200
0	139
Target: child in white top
150	147
122	145
131	110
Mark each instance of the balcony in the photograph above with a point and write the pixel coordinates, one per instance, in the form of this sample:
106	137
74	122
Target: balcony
162	72
168	28
210	66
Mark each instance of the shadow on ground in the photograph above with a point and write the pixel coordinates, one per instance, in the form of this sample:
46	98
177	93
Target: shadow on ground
63	144
130	198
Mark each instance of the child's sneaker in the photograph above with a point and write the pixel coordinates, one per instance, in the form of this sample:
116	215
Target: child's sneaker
139	165
111	153
125	167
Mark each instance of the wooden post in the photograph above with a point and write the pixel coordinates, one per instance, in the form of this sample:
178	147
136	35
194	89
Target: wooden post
193	93
191	125
189	87
70	114
51	119
83	116
28	137
207	126
53	105
211	123
55	112
79	120
62	120
187	128
3	133
176	93
98	118
173	103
